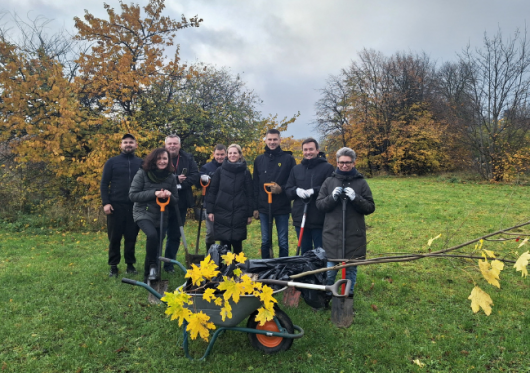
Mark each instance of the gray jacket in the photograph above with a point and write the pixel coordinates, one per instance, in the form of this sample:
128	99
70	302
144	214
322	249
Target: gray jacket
362	205
142	193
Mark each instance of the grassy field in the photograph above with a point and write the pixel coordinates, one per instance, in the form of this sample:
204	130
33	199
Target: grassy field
61	313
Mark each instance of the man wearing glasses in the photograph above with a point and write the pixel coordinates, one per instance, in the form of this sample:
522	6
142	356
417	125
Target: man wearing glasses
345	185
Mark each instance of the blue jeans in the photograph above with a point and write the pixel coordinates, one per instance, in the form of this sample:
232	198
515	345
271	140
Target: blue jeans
173	235
282	229
351	274
311	236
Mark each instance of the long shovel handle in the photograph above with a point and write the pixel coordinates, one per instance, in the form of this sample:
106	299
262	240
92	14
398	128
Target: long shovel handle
269	193
162	205
334	289
181	229
302	229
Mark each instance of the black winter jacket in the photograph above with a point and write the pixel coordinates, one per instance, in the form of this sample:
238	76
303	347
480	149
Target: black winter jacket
182	161
310	174
231	200
142	193
118	174
362	205
272	166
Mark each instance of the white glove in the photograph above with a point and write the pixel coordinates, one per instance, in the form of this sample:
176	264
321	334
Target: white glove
336	193
205	179
300	193
309	192
350	193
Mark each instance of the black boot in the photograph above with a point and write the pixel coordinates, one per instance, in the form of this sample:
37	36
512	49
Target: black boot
113	271
131	269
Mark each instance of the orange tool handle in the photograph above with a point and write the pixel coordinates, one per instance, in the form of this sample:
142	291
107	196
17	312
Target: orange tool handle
205	186
162	204
268	185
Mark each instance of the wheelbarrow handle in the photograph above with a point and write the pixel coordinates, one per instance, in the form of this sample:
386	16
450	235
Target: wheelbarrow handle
334	289
269	192
128	281
162	204
172	261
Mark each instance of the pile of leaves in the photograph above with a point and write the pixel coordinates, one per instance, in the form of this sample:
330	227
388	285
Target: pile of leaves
218	285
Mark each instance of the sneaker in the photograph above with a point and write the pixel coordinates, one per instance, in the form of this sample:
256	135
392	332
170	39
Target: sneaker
131	269
113	271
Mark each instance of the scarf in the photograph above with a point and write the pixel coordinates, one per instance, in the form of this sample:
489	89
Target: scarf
158	176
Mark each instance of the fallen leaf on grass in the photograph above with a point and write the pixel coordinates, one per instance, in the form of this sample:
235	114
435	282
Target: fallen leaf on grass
464	352
374	307
371	287
418	363
389	279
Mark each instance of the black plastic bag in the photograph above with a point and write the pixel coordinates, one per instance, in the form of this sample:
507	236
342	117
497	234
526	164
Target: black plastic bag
283	268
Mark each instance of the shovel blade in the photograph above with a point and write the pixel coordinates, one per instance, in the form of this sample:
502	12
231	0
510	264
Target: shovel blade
193	259
291	296
342	312
160	287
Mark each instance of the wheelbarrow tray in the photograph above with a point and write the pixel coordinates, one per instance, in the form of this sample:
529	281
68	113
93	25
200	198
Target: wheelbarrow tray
240	311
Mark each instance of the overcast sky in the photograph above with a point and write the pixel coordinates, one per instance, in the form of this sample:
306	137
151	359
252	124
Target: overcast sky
285	49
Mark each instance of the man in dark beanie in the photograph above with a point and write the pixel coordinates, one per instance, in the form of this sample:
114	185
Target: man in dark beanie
118	173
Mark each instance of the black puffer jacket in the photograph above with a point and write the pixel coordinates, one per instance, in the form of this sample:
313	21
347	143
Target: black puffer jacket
231	200
310	174
362	205
186	161
142	193
118	174
272	166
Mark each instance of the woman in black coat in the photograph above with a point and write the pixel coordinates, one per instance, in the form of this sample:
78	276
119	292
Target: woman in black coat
230	199
154	179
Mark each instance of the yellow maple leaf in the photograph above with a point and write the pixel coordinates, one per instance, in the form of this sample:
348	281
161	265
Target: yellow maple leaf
264	315
429	243
522	243
198	325
208	295
230	288
218	301
491	271
488	253
195	274
175	305
208	268
521	263
266	296
228	258
246	285
480	299
237	272
226	311
240	258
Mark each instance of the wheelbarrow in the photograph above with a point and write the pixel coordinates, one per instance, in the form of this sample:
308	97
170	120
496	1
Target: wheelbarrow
274	336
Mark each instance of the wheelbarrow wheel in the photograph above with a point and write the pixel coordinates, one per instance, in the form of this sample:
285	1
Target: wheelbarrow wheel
273	344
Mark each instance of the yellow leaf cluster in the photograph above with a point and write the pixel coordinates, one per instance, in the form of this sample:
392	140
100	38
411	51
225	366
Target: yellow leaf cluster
491	271
232	289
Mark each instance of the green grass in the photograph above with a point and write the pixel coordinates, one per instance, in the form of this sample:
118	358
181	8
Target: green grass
61	313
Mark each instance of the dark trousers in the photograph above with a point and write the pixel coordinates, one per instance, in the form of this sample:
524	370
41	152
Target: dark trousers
121	224
237	245
152	245
173	234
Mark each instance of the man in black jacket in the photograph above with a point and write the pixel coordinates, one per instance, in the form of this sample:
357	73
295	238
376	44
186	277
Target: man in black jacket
118	174
187	175
303	187
273	166
207	171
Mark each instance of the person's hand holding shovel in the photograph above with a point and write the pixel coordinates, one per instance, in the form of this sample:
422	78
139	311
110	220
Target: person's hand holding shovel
275	188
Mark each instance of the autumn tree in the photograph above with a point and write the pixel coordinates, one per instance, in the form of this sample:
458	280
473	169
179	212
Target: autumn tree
381	106
486	95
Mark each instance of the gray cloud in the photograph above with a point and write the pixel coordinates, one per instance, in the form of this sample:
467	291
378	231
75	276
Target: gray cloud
284	50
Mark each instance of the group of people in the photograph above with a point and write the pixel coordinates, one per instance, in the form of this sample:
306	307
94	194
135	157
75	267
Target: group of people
317	191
